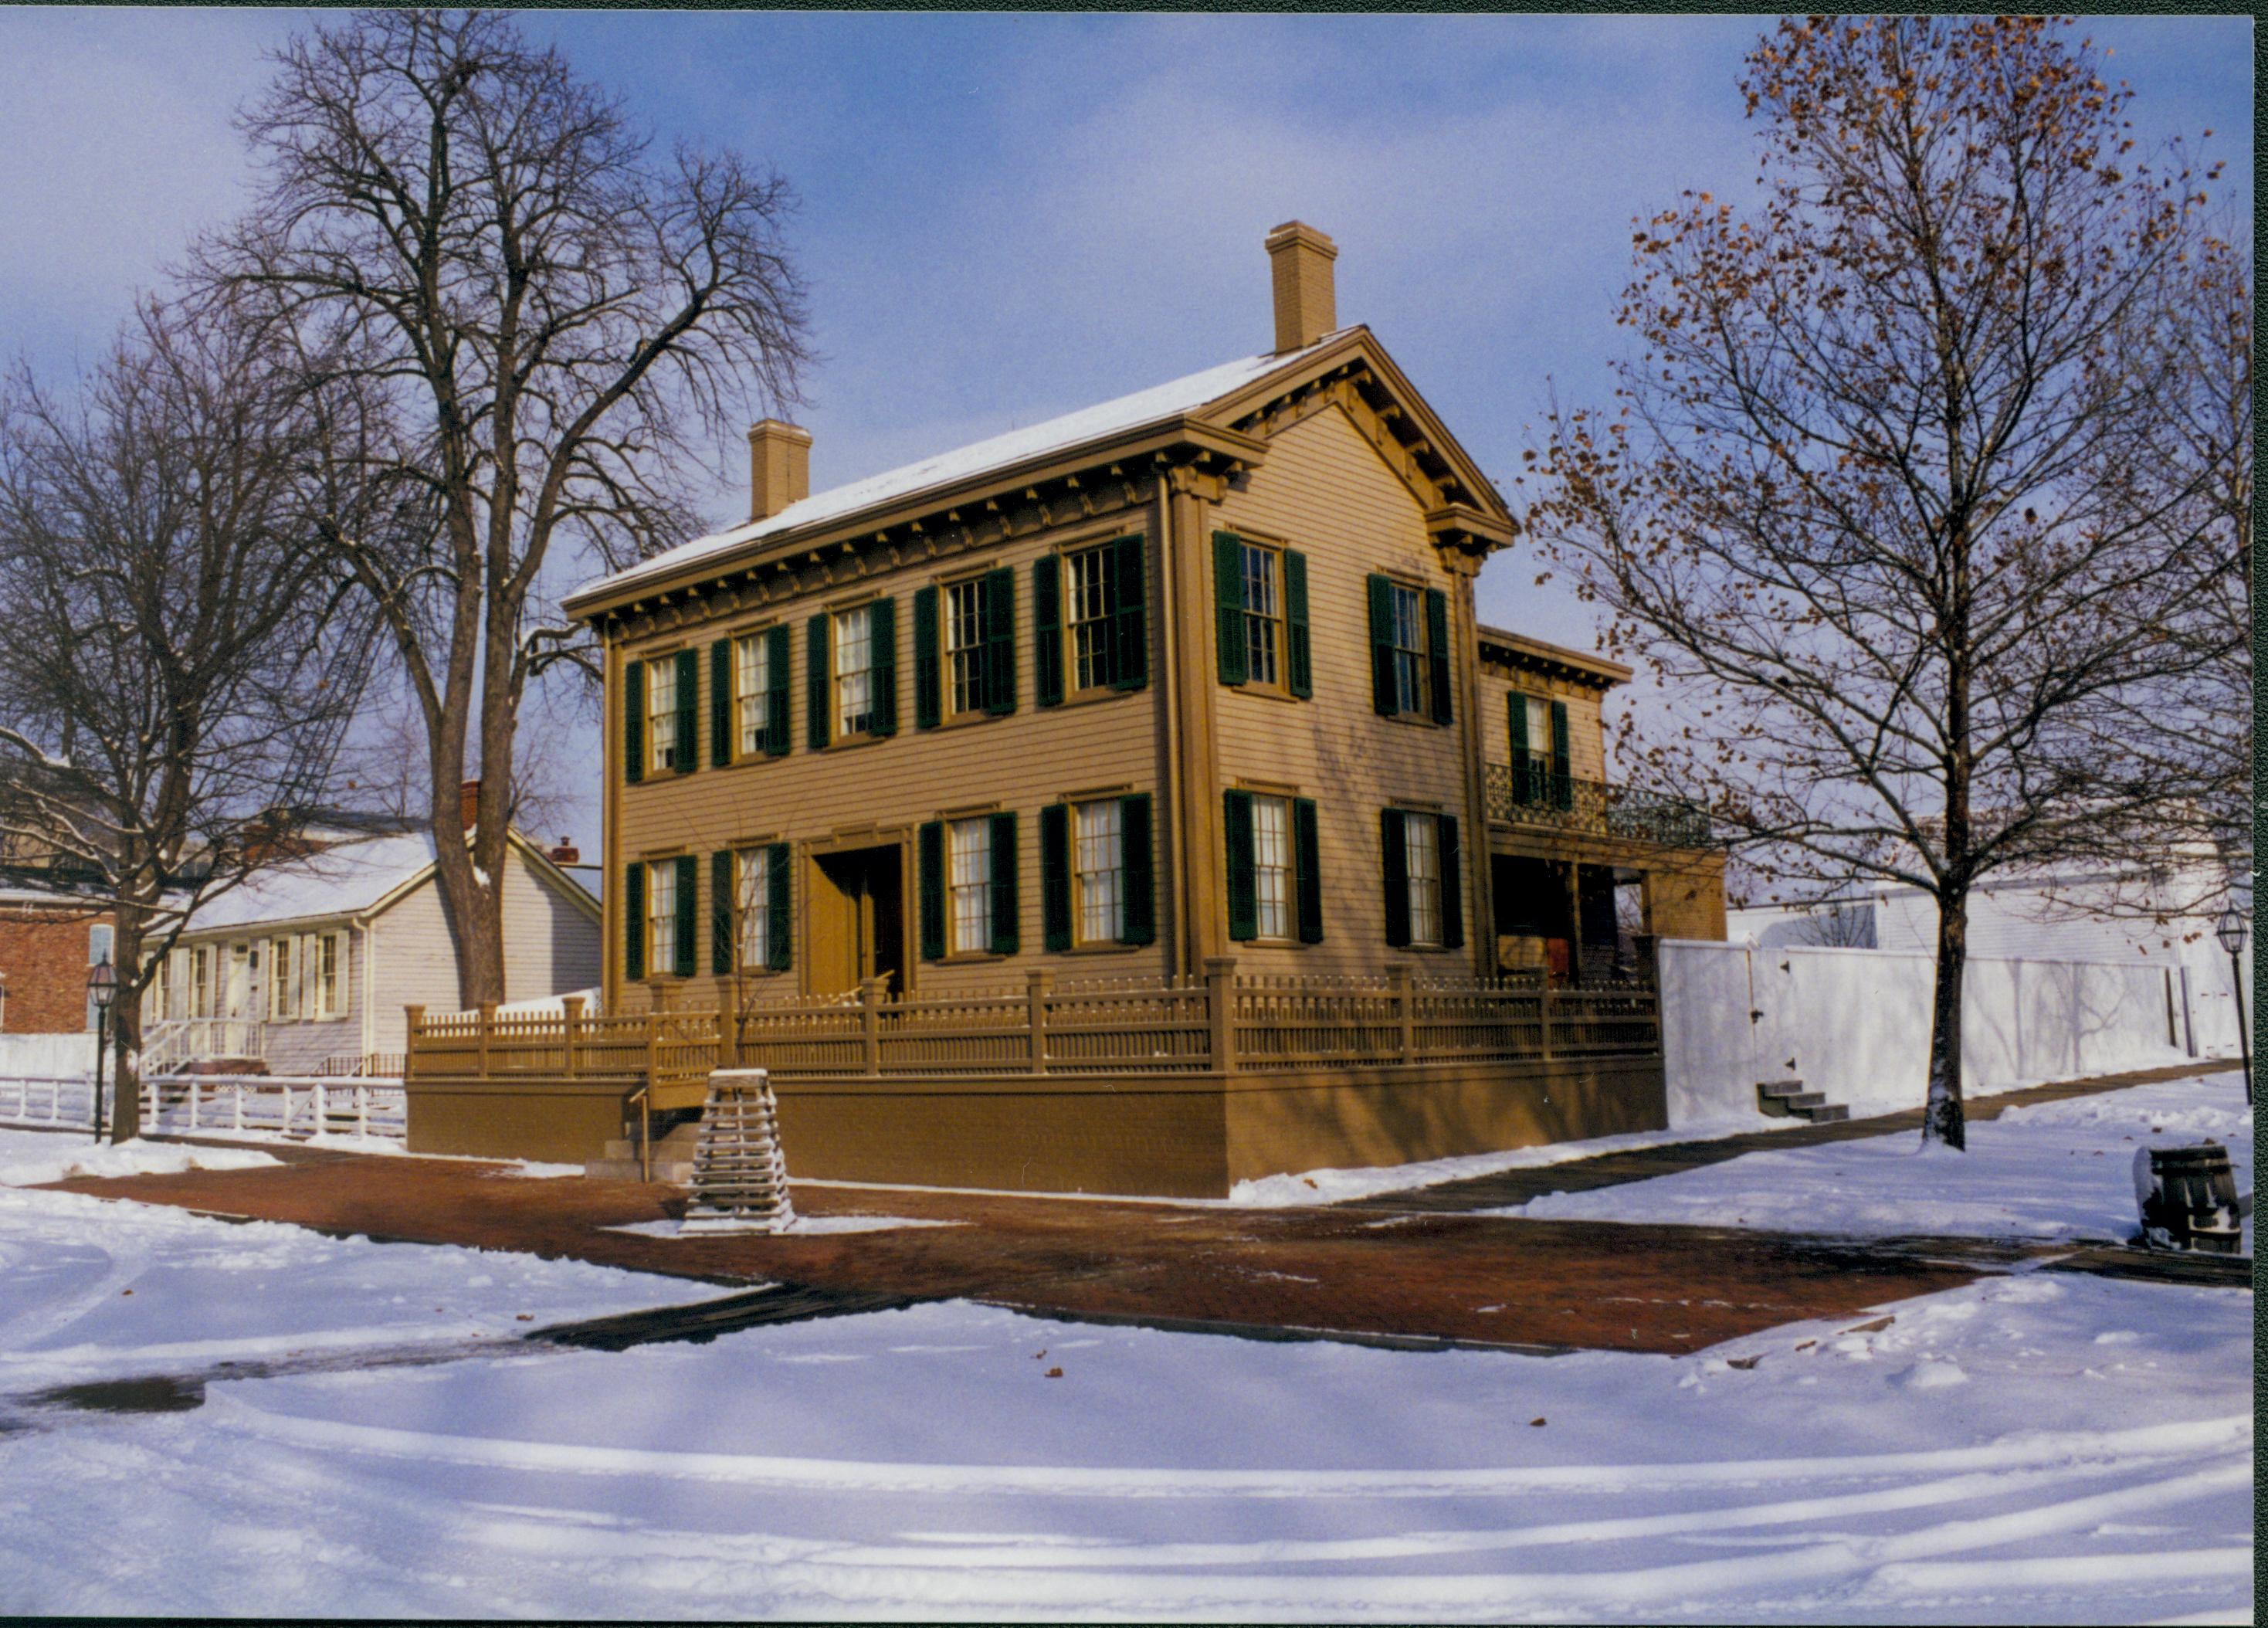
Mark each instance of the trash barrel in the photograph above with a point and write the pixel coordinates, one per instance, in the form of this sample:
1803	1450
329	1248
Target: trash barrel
2188	1199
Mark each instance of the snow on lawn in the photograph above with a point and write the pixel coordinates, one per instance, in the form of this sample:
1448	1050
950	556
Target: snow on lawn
2048	1170
29	1157
95	1287
2035	1449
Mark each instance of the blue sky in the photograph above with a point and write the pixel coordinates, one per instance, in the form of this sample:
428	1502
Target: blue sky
1010	216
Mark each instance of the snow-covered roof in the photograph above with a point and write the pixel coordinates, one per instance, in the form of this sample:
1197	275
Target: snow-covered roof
1101	422
336	881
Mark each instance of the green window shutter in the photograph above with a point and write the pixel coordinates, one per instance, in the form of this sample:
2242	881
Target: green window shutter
1299	658
1243	883
1437	653
1047	632
1055	875
689	696
929	863
776	667
1307	863
1453	885
1136	853
720	703
1005	904
1382	646
721	913
1523	778
997	601
1130	623
780	891
688	878
1563	777
1397	876
633	923
1228	605
882	625
633	721
929	700
818	682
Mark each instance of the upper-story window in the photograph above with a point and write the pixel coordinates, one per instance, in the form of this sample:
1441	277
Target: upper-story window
854	671
1092	592
1264	614
1411	694
1410	665
965	646
752	699
661	713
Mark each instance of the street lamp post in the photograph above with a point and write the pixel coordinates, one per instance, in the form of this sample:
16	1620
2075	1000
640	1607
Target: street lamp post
102	989
2230	931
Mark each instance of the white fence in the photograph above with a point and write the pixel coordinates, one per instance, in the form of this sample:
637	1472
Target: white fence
294	1107
43	1100
1855	1024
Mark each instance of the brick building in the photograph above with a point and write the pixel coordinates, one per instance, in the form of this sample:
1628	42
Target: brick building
47	942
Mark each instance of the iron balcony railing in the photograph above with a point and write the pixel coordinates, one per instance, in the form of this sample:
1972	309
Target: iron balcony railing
1531	794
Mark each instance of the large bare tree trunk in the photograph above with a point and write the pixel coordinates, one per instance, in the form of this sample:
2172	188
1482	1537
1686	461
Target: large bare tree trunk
1943	1120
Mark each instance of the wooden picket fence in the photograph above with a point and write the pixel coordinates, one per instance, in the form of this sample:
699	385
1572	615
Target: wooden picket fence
1221	1023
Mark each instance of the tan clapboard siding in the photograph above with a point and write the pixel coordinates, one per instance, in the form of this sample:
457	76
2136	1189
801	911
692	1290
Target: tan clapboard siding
1324	491
1585	733
1032	757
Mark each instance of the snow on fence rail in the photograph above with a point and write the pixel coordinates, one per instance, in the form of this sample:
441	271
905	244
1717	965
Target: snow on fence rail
292	1106
1220	1021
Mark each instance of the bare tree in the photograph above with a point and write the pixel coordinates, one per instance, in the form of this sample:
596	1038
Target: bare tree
174	684
557	318
1882	501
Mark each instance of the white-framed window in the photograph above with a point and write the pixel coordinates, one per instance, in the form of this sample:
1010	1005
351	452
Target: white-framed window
964	644
283	991
327	957
1099	864
201	980
101	938
752	695
1421	843
1264	614
1411	669
1091	609
854	671
661	905
753	883
661	711
969	844
1271	866
160	997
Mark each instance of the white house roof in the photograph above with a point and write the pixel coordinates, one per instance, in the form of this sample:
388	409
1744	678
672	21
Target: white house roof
336	882
1103	421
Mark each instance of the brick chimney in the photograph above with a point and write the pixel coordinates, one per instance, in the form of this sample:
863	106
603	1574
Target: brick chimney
469	803
779	467
1306	305
565	852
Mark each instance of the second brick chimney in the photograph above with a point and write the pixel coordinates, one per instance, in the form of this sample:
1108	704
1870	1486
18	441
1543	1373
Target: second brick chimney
1306	305
779	467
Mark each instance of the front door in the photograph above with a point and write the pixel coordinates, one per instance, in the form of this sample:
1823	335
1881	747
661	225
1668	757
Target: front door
858	919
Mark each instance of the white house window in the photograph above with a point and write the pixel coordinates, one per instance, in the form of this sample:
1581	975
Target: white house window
1421	838
661	915
1094	605
100	938
201	980
970	842
329	958
282	997
964	644
661	711
1263	617
161	989
1410	664
752	695
755	885
1101	865
854	671
1271	865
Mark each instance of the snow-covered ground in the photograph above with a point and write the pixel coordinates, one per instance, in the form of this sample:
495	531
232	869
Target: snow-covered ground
2048	1170
2042	1447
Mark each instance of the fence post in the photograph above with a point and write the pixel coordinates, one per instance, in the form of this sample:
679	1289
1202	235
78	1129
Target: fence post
1037	988
1220	1011
1544	1014
362	1108
488	1022
237	1122
1405	1018
870	1021
570	1025
196	1086
413	1021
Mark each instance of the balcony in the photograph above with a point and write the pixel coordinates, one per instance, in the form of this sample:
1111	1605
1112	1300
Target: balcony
1531	795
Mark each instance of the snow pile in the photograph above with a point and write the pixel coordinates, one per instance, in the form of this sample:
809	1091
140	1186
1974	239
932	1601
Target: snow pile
1336	1186
32	1159
2048	1170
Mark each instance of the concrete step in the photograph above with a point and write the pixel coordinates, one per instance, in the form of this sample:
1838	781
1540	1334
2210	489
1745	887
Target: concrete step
1829	1114
1779	1087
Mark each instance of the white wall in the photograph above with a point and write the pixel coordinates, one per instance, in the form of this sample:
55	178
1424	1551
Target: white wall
46	1056
1854	1024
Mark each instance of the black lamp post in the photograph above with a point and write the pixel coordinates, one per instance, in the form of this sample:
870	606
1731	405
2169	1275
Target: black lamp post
102	989
2230	931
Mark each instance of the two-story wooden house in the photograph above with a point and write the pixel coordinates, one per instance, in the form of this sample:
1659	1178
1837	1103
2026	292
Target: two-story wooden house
1190	676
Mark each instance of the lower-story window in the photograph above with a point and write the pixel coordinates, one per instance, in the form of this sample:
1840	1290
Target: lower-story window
1421	837
1100	870
661	915
1271	866
969	842
755	887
